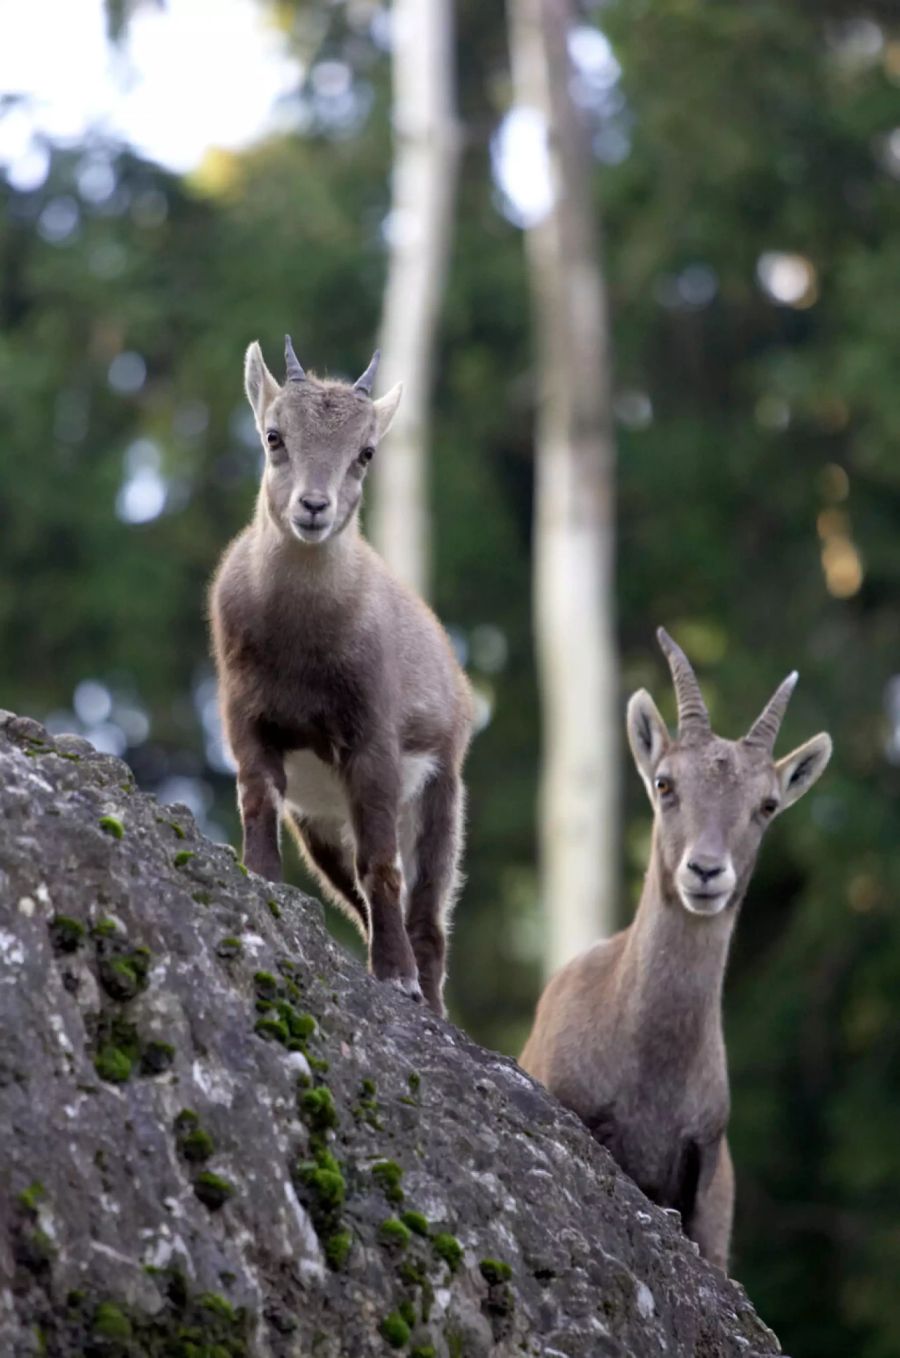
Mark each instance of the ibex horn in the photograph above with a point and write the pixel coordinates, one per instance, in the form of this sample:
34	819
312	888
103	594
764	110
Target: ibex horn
364	383
293	371
764	730
692	713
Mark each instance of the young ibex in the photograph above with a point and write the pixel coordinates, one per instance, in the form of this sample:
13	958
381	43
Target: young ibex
343	702
629	1034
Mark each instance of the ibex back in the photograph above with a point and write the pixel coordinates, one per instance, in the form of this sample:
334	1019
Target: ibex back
343	703
629	1034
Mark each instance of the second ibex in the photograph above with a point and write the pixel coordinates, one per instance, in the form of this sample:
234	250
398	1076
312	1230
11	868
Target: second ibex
629	1034
344	705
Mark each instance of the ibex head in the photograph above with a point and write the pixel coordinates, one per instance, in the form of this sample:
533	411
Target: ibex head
319	438
713	798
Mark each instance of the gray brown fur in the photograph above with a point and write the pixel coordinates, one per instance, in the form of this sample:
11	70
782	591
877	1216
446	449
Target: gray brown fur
629	1034
339	688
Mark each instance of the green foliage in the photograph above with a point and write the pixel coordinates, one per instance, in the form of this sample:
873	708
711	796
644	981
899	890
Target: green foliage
113	826
416	1221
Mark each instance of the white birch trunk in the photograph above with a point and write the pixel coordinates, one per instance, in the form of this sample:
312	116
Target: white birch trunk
424	175
574	597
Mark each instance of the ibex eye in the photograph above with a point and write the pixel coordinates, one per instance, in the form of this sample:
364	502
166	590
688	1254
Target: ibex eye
769	806
366	454
273	438
663	786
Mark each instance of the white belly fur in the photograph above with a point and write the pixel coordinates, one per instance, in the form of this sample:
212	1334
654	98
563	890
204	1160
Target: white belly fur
314	789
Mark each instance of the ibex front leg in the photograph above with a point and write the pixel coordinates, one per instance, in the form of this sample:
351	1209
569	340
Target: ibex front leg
373	786
261	785
431	895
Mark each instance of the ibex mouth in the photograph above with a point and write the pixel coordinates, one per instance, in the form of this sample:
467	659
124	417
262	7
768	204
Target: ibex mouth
310	530
705	902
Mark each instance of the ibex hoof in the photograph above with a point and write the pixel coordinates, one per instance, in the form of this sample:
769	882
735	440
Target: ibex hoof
408	985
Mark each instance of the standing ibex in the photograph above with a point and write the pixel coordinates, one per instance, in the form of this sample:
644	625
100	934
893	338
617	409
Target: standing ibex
629	1034
343	702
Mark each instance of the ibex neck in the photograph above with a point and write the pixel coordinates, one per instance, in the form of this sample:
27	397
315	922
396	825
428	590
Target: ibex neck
673	969
332	563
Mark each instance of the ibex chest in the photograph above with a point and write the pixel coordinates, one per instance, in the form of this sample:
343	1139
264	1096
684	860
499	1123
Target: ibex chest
315	788
661	1153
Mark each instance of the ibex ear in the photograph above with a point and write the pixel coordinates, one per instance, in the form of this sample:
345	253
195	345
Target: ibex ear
385	410
648	736
797	771
259	384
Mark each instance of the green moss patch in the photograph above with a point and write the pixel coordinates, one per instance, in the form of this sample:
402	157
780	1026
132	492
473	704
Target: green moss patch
388	1174
111	825
220	1306
173	826
213	1190
321	1185
272	1029
393	1232
318	1109
183	857
448	1248
265	984
494	1271
229	947
325	1178
395	1330
124	975
416	1221
30	1197
182	1325
194	1143
111	1322
66	934
337	1248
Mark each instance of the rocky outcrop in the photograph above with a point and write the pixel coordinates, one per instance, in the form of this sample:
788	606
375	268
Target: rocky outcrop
220	1137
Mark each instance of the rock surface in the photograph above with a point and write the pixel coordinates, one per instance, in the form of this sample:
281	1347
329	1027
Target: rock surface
219	1137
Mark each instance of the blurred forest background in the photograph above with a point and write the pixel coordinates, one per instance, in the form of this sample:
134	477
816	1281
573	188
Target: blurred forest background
745	172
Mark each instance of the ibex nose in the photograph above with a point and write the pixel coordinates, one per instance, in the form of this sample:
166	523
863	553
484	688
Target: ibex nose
705	873
314	503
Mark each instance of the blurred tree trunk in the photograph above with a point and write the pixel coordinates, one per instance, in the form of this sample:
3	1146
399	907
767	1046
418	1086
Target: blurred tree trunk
424	174
574	506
